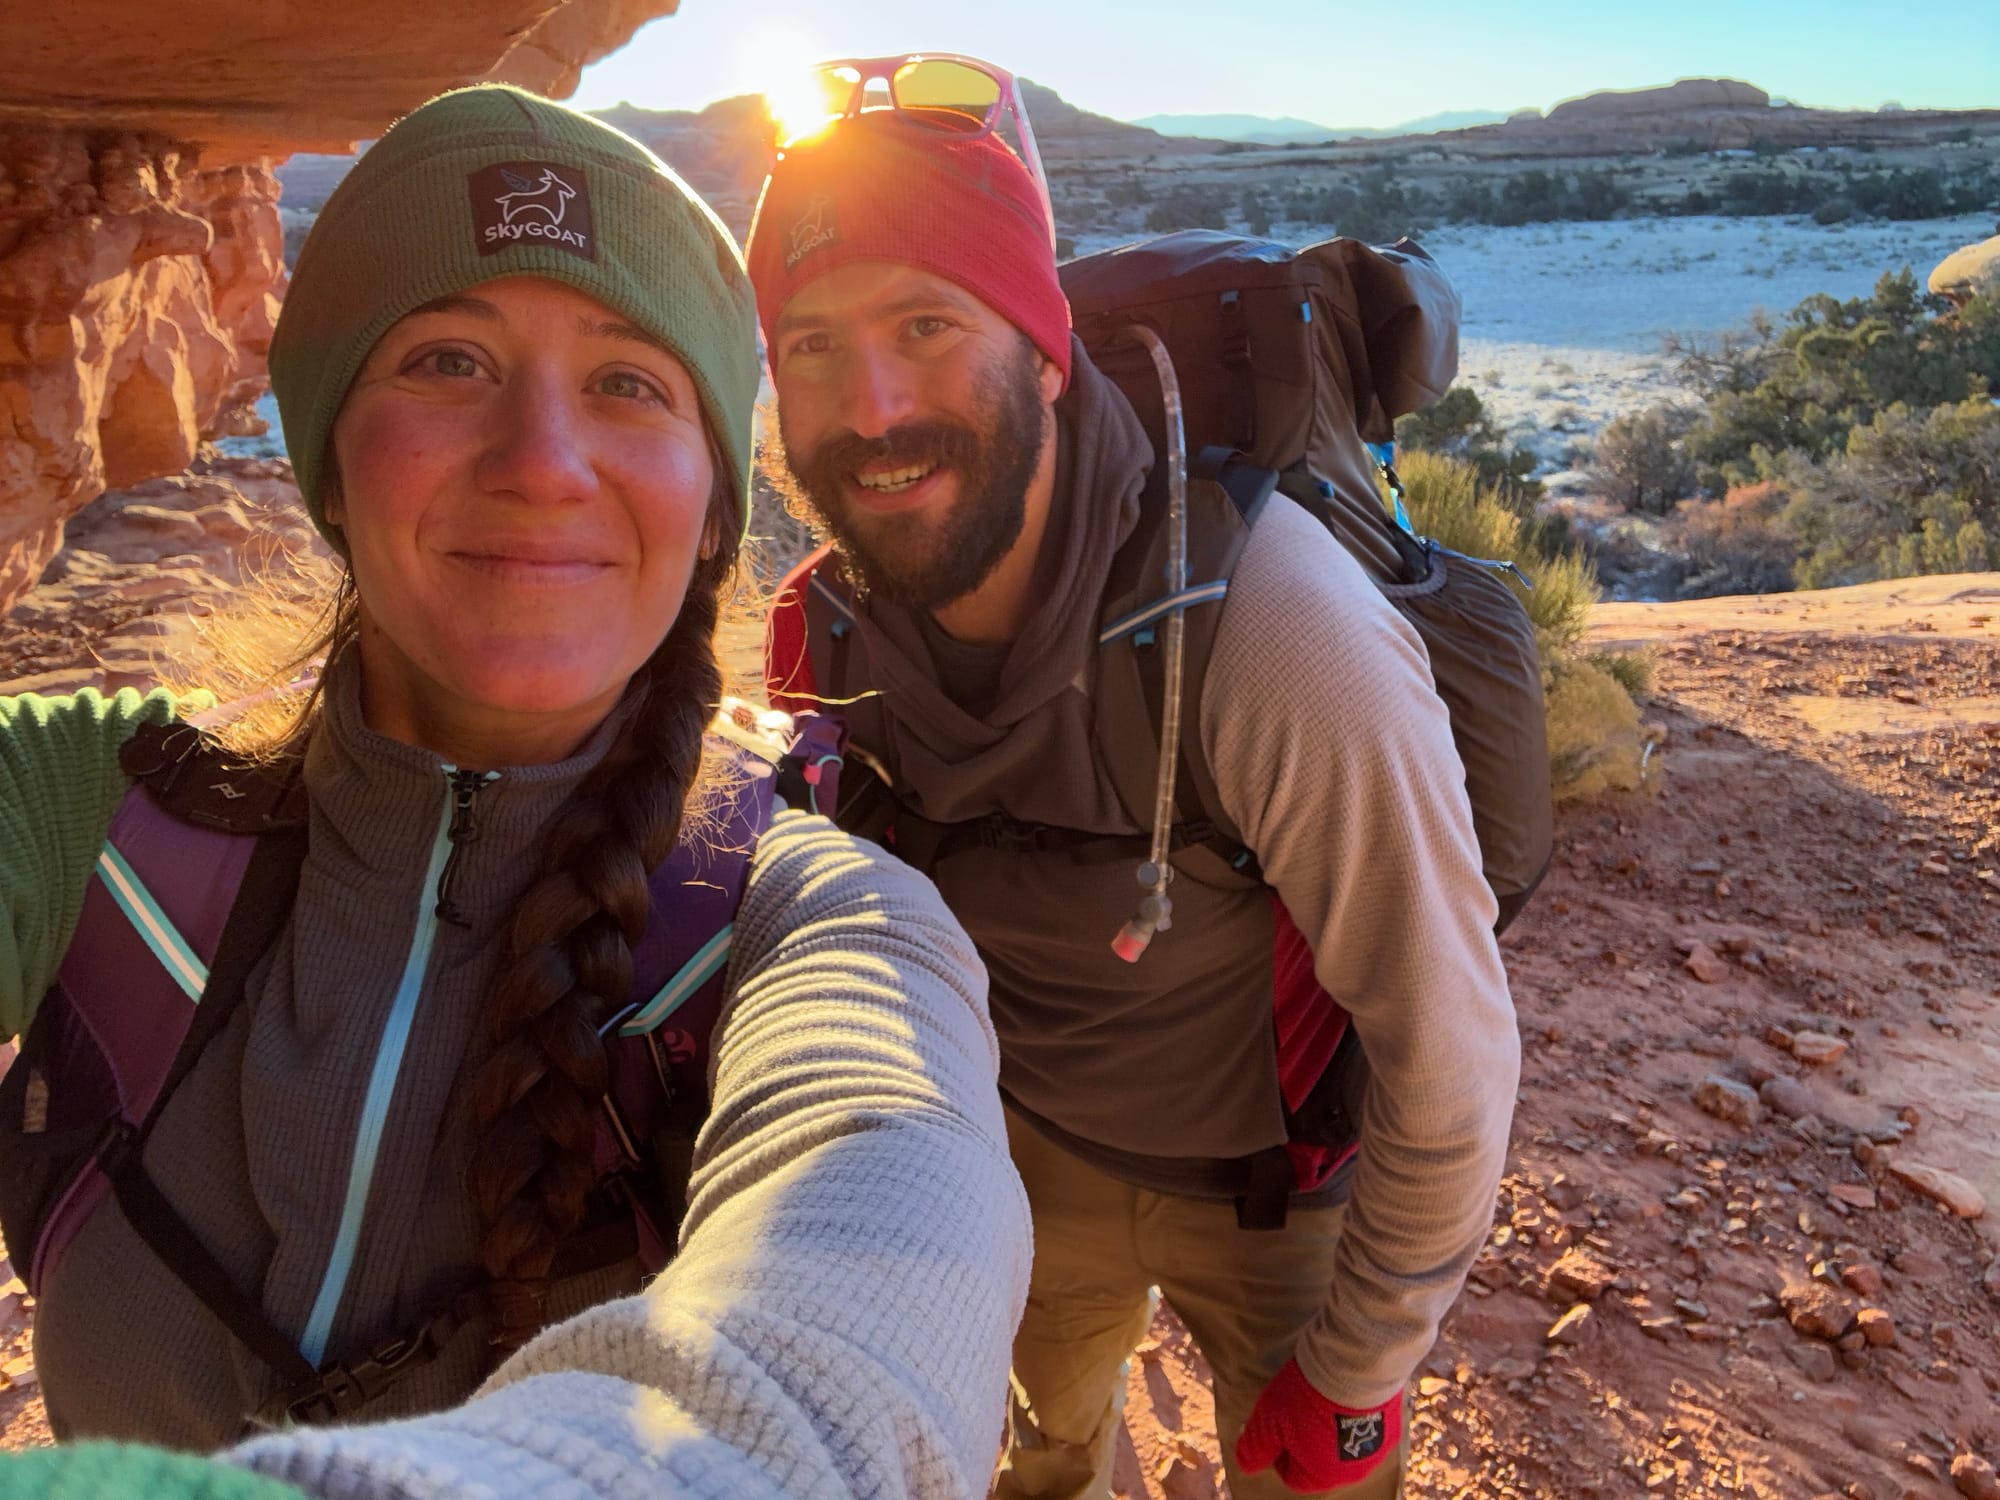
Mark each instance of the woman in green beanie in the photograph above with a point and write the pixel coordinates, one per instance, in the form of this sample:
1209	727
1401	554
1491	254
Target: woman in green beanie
512	922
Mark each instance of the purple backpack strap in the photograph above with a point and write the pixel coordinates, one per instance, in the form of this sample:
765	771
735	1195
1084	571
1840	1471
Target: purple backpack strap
128	989
659	1040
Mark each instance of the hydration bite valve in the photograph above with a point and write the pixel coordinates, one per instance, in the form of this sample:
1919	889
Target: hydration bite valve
1155	914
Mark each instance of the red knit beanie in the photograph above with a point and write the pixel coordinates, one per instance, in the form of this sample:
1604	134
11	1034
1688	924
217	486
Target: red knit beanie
875	188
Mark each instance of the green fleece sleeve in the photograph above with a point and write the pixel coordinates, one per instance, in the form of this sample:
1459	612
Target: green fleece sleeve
60	782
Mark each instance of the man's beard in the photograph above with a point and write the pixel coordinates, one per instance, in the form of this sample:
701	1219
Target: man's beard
923	560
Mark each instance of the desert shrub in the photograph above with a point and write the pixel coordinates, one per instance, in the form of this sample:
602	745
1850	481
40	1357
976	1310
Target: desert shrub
1127	191
1800	389
1595	742
1641	458
1594	738
1913	492
1833	211
1632	670
1457	425
1188	206
1739	544
1256	210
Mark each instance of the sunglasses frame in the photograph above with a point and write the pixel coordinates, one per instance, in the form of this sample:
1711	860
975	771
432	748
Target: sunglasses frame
870	69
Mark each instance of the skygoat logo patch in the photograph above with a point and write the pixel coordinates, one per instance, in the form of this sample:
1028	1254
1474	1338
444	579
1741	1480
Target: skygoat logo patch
534	202
815	227
1360	1435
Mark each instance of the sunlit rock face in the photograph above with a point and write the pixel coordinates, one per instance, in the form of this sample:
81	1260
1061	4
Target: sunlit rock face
141	253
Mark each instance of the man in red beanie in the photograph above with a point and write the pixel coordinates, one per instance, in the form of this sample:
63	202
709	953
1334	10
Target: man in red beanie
978	477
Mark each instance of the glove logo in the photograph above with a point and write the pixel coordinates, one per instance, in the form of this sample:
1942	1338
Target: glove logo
1360	1436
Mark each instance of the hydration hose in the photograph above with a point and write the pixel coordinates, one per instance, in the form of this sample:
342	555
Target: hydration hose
1156	907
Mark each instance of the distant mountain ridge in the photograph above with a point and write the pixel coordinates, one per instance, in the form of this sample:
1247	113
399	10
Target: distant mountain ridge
1282	129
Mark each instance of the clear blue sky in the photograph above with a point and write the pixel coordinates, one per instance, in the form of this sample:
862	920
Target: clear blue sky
1334	61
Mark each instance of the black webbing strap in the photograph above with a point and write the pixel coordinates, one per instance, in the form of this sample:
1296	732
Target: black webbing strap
344	1388
1263	1203
167	1234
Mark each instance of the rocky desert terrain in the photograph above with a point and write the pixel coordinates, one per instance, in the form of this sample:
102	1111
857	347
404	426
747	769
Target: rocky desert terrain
1744	1246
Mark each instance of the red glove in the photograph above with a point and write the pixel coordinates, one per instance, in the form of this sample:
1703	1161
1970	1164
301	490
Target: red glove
1315	1443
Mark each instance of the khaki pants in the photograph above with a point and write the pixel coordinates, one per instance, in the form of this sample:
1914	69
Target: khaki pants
1099	1247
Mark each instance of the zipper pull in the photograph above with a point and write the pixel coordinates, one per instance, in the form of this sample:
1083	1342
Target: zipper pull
465	787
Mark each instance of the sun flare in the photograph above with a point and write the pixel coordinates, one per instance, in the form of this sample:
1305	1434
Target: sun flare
798	101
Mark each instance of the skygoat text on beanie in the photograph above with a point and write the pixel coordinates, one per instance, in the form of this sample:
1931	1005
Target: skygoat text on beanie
532	200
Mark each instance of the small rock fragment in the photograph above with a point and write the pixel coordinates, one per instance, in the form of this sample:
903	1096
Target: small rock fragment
1787	1097
1974	1477
1817	1311
1729	1100
1573	1327
1564	1192
1861	1279
1508	1367
1876	1326
1853	1194
1818	1049
1948	1188
1705	964
1580	1277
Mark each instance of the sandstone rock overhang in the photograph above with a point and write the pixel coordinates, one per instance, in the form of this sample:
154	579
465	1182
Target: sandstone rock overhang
250	78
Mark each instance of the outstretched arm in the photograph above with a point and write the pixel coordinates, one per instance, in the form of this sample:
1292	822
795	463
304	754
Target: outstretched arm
853	1262
60	782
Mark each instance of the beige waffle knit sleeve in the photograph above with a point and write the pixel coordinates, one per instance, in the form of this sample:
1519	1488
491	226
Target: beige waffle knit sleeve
854	1261
1334	756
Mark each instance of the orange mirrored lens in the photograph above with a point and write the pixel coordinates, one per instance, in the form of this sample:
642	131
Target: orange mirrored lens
933	84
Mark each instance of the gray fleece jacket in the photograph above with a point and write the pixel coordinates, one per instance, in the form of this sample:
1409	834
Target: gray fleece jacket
317	1148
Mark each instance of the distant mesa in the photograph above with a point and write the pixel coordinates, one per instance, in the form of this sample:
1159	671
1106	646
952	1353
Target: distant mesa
1285	130
1686	96
1271	130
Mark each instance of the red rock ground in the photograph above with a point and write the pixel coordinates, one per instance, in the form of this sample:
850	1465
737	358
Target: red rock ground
1829	826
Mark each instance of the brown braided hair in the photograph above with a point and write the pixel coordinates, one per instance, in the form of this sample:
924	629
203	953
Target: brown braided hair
566	955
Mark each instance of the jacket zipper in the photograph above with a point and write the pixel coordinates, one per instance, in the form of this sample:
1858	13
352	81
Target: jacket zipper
456	827
462	830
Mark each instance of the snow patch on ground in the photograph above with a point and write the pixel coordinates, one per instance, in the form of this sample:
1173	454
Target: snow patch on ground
1564	322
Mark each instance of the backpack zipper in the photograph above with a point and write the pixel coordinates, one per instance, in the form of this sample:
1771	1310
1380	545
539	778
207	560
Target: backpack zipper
456	828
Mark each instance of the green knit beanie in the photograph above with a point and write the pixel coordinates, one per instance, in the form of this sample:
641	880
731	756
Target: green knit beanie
494	181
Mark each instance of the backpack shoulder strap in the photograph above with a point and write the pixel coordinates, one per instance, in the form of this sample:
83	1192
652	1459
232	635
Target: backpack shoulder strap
219	845
195	780
809	636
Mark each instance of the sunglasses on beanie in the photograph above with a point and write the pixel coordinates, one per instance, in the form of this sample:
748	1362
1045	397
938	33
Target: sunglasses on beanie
933	91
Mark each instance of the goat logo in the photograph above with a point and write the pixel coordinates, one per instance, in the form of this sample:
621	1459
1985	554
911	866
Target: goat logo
536	201
549	197
814	227
1360	1435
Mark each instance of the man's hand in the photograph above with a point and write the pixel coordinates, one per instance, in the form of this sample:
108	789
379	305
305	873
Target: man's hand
1316	1444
